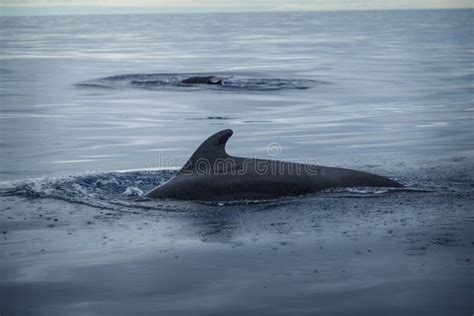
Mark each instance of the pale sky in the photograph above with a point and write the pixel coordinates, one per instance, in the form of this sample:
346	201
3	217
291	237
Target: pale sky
14	7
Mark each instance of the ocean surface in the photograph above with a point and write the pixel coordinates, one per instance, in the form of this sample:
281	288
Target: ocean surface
93	115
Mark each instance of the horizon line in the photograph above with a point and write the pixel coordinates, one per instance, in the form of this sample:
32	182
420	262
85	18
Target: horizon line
139	10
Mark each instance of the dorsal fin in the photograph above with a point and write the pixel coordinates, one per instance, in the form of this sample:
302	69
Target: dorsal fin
210	150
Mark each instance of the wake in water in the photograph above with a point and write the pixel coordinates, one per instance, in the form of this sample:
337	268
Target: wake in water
199	81
102	190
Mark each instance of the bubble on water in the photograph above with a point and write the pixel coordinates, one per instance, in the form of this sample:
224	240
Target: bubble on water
133	191
103	190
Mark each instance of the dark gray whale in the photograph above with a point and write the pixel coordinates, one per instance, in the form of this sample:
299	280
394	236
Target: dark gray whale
203	80
211	174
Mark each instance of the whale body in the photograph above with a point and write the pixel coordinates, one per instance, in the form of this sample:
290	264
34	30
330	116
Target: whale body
213	175
213	80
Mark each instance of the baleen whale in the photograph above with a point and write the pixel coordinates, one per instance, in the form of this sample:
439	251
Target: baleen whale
212	80
213	175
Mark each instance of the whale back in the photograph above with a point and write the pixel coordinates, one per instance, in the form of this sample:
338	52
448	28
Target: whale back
242	178
211	150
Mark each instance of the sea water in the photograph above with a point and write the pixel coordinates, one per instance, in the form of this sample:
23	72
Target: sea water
93	115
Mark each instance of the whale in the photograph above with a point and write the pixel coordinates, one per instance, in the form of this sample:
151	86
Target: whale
213	175
211	80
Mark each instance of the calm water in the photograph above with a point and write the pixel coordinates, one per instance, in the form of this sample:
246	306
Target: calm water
85	99
395	84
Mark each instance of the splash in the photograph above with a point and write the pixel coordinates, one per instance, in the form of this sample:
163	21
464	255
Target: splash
103	190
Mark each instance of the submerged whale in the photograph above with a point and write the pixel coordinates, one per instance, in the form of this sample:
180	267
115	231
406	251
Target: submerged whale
211	174
203	80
